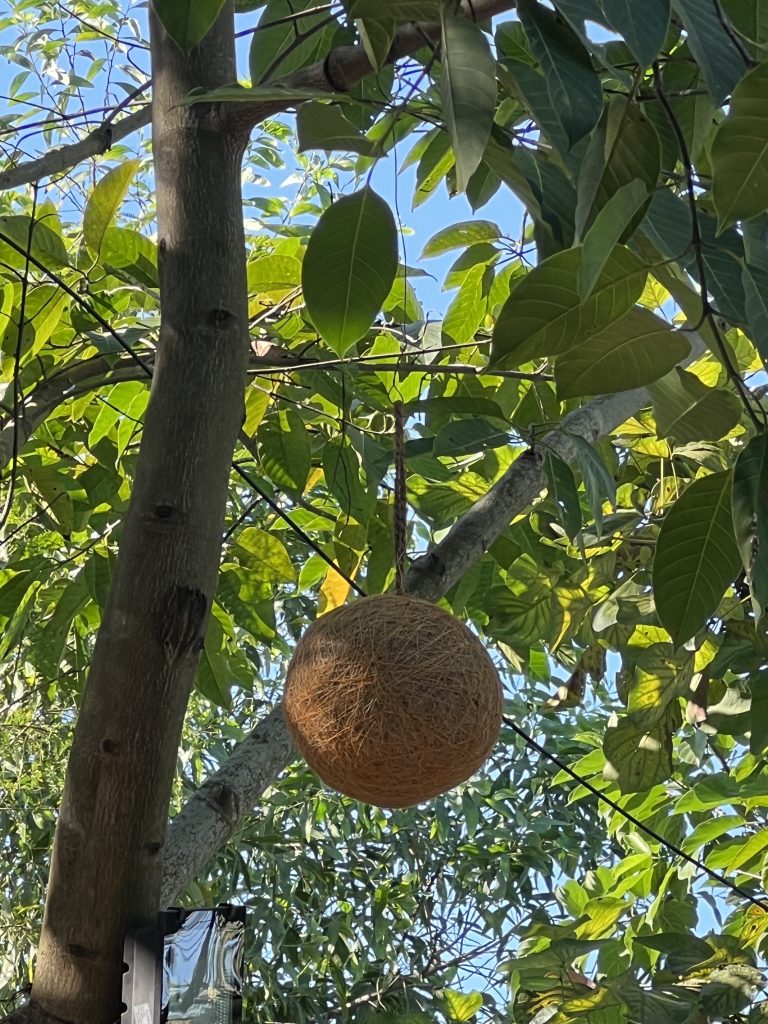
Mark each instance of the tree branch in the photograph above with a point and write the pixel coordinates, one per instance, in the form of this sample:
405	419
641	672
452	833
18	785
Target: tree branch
56	161
102	371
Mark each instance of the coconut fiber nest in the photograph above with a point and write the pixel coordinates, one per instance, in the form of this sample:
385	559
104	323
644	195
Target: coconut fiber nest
392	700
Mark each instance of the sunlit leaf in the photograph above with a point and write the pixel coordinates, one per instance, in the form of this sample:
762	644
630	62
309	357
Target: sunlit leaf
636	350
457	236
544	316
462	1006
104	202
265	554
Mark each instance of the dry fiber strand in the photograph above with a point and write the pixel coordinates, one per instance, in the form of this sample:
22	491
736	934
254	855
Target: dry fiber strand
392	700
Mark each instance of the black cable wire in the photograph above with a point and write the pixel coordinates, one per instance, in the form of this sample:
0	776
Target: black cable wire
296	528
672	847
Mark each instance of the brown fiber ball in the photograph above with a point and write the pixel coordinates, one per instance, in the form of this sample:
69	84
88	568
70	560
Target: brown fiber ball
392	700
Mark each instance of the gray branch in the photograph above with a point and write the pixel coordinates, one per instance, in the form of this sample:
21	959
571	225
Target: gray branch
61	159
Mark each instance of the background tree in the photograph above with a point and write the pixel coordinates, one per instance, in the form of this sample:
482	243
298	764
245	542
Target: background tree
585	480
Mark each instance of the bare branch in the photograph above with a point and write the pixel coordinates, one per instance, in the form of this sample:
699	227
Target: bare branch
56	161
213	814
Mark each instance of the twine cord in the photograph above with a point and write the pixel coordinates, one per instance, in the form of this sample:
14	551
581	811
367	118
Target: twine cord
401	502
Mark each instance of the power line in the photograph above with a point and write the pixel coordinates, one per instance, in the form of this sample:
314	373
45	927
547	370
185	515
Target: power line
672	847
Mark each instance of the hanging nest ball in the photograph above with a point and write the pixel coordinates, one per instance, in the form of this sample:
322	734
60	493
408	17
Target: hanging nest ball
392	700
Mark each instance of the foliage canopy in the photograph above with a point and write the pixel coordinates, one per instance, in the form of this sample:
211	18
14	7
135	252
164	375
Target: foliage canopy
599	368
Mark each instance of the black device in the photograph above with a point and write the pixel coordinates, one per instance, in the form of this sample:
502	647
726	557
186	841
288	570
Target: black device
188	968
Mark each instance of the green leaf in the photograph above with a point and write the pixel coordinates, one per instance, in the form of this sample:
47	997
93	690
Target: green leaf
749	17
349	267
740	152
598	482
696	557
459	236
376	37
54	636
643	26
265	554
44	310
436	161
729	989
750	516
285	450
466	312
341	468
623	149
55	485
104	202
401	10
460	1005
468	90
668	226
14	628
708	831
574	87
636	350
213	678
606	230
282	44
464	437
324	126
116	402
717	54
758	713
564	493
689	411
638	759
755	281
127	249
272	92
400	1017
47	246
188	21
544	316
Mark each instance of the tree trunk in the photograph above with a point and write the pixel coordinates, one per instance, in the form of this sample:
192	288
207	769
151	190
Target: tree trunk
106	869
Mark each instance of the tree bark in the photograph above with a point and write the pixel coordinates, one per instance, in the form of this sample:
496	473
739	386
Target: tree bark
106	867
